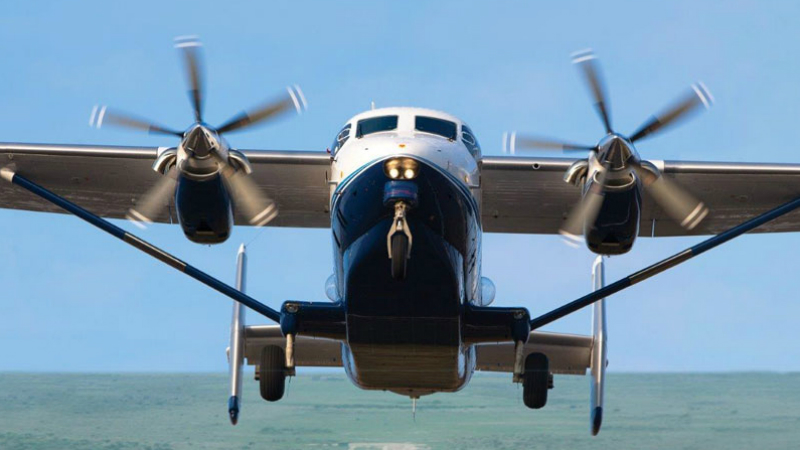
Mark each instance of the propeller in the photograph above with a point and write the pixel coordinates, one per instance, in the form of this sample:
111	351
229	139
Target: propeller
189	46
684	107
154	200
586	210
512	142
101	115
266	111
616	153
200	141
587	63
259	209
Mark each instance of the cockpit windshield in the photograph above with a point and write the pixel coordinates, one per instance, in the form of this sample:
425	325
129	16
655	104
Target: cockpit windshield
469	139
340	139
432	125
375	125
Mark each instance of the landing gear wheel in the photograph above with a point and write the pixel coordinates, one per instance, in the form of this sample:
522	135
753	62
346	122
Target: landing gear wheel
272	373
399	254
536	380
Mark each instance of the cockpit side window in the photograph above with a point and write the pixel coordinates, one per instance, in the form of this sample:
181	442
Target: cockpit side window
441	127
376	125
469	139
340	139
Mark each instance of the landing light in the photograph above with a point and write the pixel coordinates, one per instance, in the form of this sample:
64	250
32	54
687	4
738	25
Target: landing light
401	168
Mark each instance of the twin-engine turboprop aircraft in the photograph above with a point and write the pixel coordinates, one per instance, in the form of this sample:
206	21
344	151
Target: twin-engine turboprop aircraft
407	194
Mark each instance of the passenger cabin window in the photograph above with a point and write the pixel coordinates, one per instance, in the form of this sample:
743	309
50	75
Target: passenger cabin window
468	138
432	125
340	139
376	125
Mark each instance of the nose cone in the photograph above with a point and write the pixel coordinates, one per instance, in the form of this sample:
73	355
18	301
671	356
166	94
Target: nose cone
616	149
200	140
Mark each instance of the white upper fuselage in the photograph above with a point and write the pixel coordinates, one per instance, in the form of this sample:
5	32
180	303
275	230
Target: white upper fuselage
450	155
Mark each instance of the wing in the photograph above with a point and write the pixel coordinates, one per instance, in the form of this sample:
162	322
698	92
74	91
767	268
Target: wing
308	351
109	180
529	195
569	354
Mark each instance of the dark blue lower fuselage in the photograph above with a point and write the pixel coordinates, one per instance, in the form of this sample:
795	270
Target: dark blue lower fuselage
406	335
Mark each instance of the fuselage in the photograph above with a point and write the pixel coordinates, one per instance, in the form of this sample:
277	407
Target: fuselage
405	335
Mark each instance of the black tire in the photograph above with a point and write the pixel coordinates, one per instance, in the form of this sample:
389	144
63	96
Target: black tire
272	373
536	380
399	253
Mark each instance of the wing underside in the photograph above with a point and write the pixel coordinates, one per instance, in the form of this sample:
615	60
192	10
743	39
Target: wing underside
519	194
308	351
109	180
529	195
568	354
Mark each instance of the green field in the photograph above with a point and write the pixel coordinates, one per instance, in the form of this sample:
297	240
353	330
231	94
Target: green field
173	411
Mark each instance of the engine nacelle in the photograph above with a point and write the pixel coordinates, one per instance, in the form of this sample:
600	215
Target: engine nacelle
617	224
204	209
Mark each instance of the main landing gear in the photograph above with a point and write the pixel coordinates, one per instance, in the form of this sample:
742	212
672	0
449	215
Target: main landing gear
272	373
536	380
533	371
274	366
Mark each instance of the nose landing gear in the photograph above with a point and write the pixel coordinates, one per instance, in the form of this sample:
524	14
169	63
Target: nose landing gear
399	241
402	194
400	247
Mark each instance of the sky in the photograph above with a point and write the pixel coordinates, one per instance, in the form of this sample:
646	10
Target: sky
76	299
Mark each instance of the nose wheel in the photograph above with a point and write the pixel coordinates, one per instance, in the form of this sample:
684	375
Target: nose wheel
399	241
399	252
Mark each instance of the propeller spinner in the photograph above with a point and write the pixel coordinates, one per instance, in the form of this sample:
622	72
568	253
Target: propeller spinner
614	159
203	152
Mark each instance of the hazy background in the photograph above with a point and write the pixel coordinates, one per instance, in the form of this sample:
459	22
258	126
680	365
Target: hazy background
75	299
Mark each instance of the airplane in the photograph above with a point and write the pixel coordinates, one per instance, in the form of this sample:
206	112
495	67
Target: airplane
407	194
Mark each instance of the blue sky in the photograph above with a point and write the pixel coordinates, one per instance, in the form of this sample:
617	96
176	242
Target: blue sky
75	299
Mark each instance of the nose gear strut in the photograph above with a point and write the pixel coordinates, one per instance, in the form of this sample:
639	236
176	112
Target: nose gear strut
399	240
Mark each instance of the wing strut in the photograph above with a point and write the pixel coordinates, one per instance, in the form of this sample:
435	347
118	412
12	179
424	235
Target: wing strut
599	357
664	264
9	175
236	352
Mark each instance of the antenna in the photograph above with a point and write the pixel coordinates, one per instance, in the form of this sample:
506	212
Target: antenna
372	105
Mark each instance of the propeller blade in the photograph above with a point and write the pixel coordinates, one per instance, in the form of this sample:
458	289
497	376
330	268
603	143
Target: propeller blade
680	110
247	197
585	211
101	115
587	62
682	206
543	143
269	110
154	201
190	47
